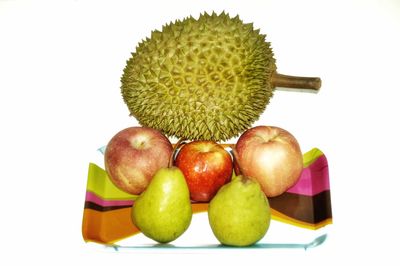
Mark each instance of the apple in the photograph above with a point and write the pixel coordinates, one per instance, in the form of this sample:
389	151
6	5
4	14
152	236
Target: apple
134	155
271	156
207	166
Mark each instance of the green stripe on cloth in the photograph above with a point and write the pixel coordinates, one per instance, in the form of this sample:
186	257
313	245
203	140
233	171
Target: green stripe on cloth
100	184
310	156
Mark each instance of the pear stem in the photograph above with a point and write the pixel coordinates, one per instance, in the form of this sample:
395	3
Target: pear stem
286	81
177	145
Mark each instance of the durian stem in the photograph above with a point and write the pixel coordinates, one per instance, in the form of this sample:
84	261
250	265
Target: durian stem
285	81
177	145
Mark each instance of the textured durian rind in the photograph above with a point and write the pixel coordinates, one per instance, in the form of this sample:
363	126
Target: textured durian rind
200	79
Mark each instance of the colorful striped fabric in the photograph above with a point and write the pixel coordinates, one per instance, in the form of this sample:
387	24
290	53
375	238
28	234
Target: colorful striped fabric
107	216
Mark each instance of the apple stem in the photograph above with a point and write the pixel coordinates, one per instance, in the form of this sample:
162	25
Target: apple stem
236	161
286	81
177	145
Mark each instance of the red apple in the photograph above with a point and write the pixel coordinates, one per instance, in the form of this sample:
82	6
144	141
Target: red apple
206	166
272	156
133	156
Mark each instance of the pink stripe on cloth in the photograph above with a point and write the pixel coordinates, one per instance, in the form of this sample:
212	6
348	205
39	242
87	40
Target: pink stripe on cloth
92	197
313	180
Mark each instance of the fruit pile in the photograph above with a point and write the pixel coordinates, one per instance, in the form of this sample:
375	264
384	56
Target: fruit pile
203	80
265	162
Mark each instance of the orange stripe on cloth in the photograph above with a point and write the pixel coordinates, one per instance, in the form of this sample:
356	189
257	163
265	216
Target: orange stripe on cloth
107	227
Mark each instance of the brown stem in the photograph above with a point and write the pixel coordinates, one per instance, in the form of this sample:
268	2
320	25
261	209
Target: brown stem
285	81
177	145
238	170
236	161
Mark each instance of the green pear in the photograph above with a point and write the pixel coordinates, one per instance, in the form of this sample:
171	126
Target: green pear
163	211
239	214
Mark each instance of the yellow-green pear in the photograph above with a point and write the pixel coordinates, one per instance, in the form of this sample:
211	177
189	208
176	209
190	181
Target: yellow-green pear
163	211
239	214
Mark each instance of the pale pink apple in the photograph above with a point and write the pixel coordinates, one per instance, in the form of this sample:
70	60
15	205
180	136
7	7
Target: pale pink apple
134	155
271	156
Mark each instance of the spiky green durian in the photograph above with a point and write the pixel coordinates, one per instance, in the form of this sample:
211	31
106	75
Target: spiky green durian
200	79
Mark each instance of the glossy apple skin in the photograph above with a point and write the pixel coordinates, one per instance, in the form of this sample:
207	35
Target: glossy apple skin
207	166
134	155
271	156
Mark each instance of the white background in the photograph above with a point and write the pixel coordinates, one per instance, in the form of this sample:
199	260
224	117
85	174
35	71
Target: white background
60	68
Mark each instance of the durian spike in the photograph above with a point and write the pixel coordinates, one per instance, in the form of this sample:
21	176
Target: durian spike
294	82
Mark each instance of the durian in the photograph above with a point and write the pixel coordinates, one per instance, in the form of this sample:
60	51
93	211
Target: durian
208	78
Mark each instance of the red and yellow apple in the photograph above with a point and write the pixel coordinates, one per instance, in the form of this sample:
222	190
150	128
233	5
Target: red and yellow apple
206	166
134	155
271	156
